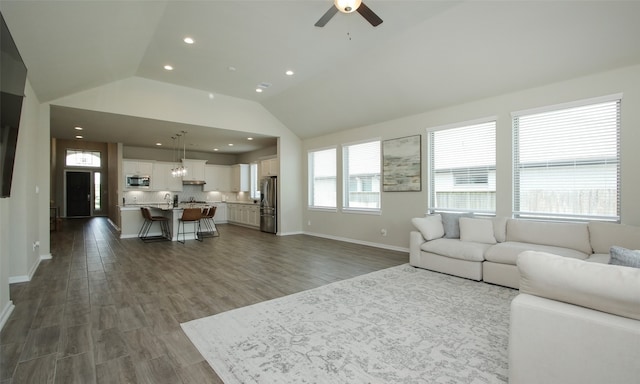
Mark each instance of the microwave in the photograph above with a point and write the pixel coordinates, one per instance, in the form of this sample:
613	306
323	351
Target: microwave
137	181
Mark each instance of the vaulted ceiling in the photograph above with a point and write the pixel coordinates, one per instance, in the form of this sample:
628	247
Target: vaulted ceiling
425	55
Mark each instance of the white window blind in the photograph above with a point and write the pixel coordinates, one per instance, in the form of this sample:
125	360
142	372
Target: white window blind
361	183
567	163
322	178
462	168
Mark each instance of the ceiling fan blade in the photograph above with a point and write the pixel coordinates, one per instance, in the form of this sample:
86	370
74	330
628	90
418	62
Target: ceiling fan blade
369	15
327	16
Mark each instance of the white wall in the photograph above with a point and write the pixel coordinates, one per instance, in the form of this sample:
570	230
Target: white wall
399	207
24	215
156	100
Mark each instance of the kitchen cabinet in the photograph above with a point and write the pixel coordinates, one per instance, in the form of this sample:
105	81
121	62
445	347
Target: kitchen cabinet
137	167
244	214
240	178
221	216
161	179
195	169
217	178
269	167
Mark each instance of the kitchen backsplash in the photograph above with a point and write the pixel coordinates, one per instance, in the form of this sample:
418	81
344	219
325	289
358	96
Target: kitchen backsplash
188	192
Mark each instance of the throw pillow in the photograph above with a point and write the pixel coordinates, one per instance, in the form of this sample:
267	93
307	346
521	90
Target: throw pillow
477	230
624	257
451	224
430	226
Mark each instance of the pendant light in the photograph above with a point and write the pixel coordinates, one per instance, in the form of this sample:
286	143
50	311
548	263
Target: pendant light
183	169
180	170
174	169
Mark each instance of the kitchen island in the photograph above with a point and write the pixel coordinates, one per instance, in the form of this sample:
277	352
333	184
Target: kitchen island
131	218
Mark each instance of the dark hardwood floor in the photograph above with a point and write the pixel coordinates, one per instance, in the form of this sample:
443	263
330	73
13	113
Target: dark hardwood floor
106	310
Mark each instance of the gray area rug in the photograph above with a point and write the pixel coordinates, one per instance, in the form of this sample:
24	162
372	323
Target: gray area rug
398	325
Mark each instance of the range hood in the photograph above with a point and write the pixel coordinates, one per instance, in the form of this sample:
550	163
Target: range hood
193	182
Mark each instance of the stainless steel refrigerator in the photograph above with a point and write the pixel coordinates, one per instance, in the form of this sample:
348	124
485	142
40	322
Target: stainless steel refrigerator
268	208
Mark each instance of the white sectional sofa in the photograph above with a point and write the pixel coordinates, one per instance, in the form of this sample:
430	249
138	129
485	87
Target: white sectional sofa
487	248
574	322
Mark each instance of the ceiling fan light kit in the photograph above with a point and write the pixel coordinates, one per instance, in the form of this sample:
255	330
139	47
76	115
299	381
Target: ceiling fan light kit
349	6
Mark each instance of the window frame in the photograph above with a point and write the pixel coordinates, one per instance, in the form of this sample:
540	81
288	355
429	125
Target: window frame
517	165
311	180
431	192
77	152
346	176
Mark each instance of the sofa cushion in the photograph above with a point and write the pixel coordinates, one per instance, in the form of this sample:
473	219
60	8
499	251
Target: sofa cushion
456	249
451	224
507	252
602	258
430	226
500	228
607	288
624	257
605	235
477	230
564	235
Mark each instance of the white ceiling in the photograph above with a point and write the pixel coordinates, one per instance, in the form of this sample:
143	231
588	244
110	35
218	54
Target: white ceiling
425	55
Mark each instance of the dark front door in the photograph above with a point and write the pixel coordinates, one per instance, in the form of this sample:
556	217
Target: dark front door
78	194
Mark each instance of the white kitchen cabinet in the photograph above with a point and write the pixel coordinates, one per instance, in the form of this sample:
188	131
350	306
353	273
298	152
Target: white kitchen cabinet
137	167
195	169
221	216
269	167
240	177
217	178
244	214
253	215
162	180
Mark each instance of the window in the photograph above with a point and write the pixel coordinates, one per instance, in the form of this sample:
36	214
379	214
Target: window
97	188
254	187
567	161
361	164
79	158
322	178
462	168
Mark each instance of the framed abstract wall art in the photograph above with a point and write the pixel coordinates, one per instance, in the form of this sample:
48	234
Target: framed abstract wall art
402	164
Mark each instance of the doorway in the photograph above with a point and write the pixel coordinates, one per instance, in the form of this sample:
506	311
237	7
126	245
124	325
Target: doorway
78	192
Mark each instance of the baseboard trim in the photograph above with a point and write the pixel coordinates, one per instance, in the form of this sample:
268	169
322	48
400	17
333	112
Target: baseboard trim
360	242
290	233
32	271
113	224
6	312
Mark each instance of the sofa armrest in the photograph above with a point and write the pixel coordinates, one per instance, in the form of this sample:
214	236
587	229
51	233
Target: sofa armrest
555	342
608	288
415	241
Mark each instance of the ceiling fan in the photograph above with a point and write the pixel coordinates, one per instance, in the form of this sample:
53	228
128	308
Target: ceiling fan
348	6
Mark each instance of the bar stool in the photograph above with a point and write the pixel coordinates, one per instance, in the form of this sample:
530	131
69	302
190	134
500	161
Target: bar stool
143	234
209	224
190	215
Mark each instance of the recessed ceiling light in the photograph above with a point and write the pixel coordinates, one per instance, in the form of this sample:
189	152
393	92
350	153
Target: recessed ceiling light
259	90
78	128
231	68
158	144
289	73
79	137
168	67
249	138
188	40
211	96
231	144
216	149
